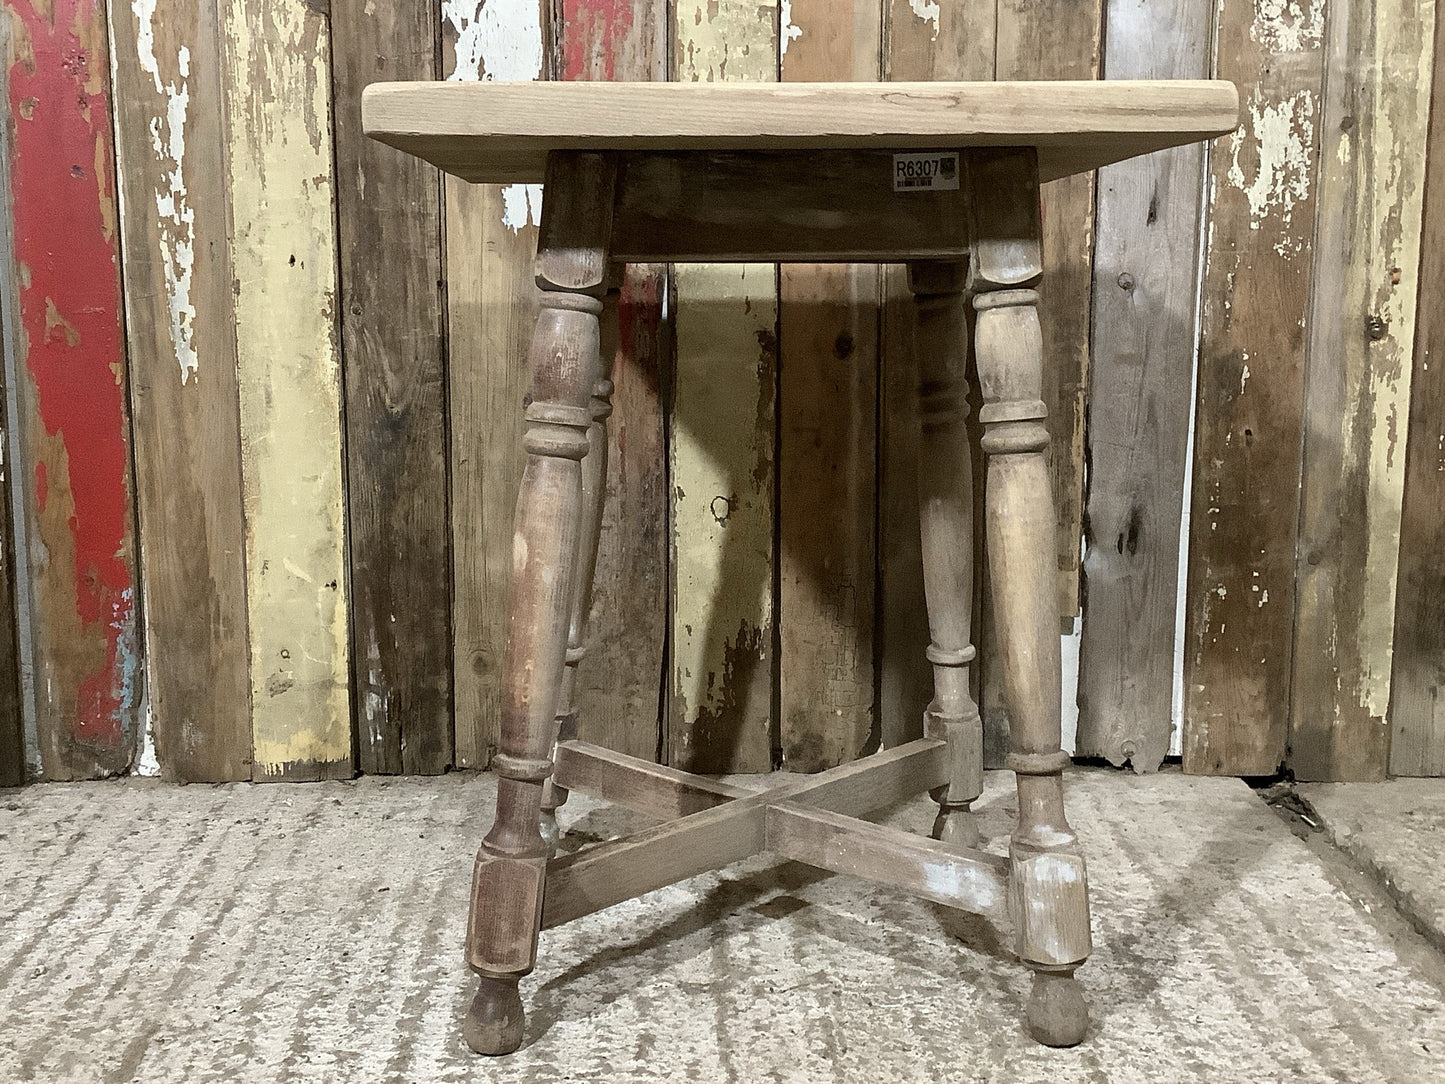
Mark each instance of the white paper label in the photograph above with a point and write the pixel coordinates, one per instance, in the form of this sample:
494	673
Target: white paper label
925	171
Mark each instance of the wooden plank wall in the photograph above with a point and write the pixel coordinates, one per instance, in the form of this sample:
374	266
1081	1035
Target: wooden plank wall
313	544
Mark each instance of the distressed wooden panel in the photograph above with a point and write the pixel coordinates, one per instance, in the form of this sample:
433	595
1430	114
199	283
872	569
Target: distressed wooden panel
12	703
827	406
619	681
1061	40
491	238
181	340
1417	686
73	419
392	335
1373	123
920	41
1245	503
276	61
1144	299
719	715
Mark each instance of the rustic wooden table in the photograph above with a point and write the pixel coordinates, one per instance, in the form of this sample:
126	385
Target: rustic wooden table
941	176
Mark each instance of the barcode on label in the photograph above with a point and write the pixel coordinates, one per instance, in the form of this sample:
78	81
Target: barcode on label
925	171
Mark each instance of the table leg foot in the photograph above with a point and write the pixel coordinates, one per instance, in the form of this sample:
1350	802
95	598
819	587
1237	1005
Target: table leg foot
1057	1012
494	1020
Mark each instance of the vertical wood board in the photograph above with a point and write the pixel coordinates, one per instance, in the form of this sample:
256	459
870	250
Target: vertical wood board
722	453
827	406
1374	120
1061	40
1146	279
277	71
1417	687
490	242
1245	502
181	340
13	767
393	341
619	690
920	42
74	419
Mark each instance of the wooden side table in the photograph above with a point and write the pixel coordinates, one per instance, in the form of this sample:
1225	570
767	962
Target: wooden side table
942	176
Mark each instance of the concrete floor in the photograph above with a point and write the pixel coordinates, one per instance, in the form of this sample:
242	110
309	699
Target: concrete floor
312	932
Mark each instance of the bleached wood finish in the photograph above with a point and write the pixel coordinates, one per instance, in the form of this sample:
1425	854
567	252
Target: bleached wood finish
1049	891
501	132
518	886
945	506
926	868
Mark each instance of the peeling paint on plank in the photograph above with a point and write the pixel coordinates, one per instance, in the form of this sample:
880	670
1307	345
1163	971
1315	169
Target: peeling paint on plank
1366	259
284	261
720	714
74	423
1244	512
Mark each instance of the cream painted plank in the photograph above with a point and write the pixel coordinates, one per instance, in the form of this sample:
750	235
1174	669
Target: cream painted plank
491	238
1375	118
276	59
720	706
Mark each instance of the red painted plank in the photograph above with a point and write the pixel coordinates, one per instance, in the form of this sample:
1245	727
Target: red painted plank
74	418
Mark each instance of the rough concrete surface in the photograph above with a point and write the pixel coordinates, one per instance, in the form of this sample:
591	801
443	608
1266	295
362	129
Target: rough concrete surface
311	932
1395	831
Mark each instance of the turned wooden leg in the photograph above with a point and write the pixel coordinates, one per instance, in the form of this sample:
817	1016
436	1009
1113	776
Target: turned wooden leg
594	488
1047	885
945	491
507	885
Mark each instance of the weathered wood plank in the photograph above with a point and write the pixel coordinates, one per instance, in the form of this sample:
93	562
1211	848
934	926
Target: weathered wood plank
721	452
1374	120
73	418
491	239
1244	509
1061	40
920	42
827	406
1144	298
1417	684
276	60
12	704
180	333
619	688
392	337
973	881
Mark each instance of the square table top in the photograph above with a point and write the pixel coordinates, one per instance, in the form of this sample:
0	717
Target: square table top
500	133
